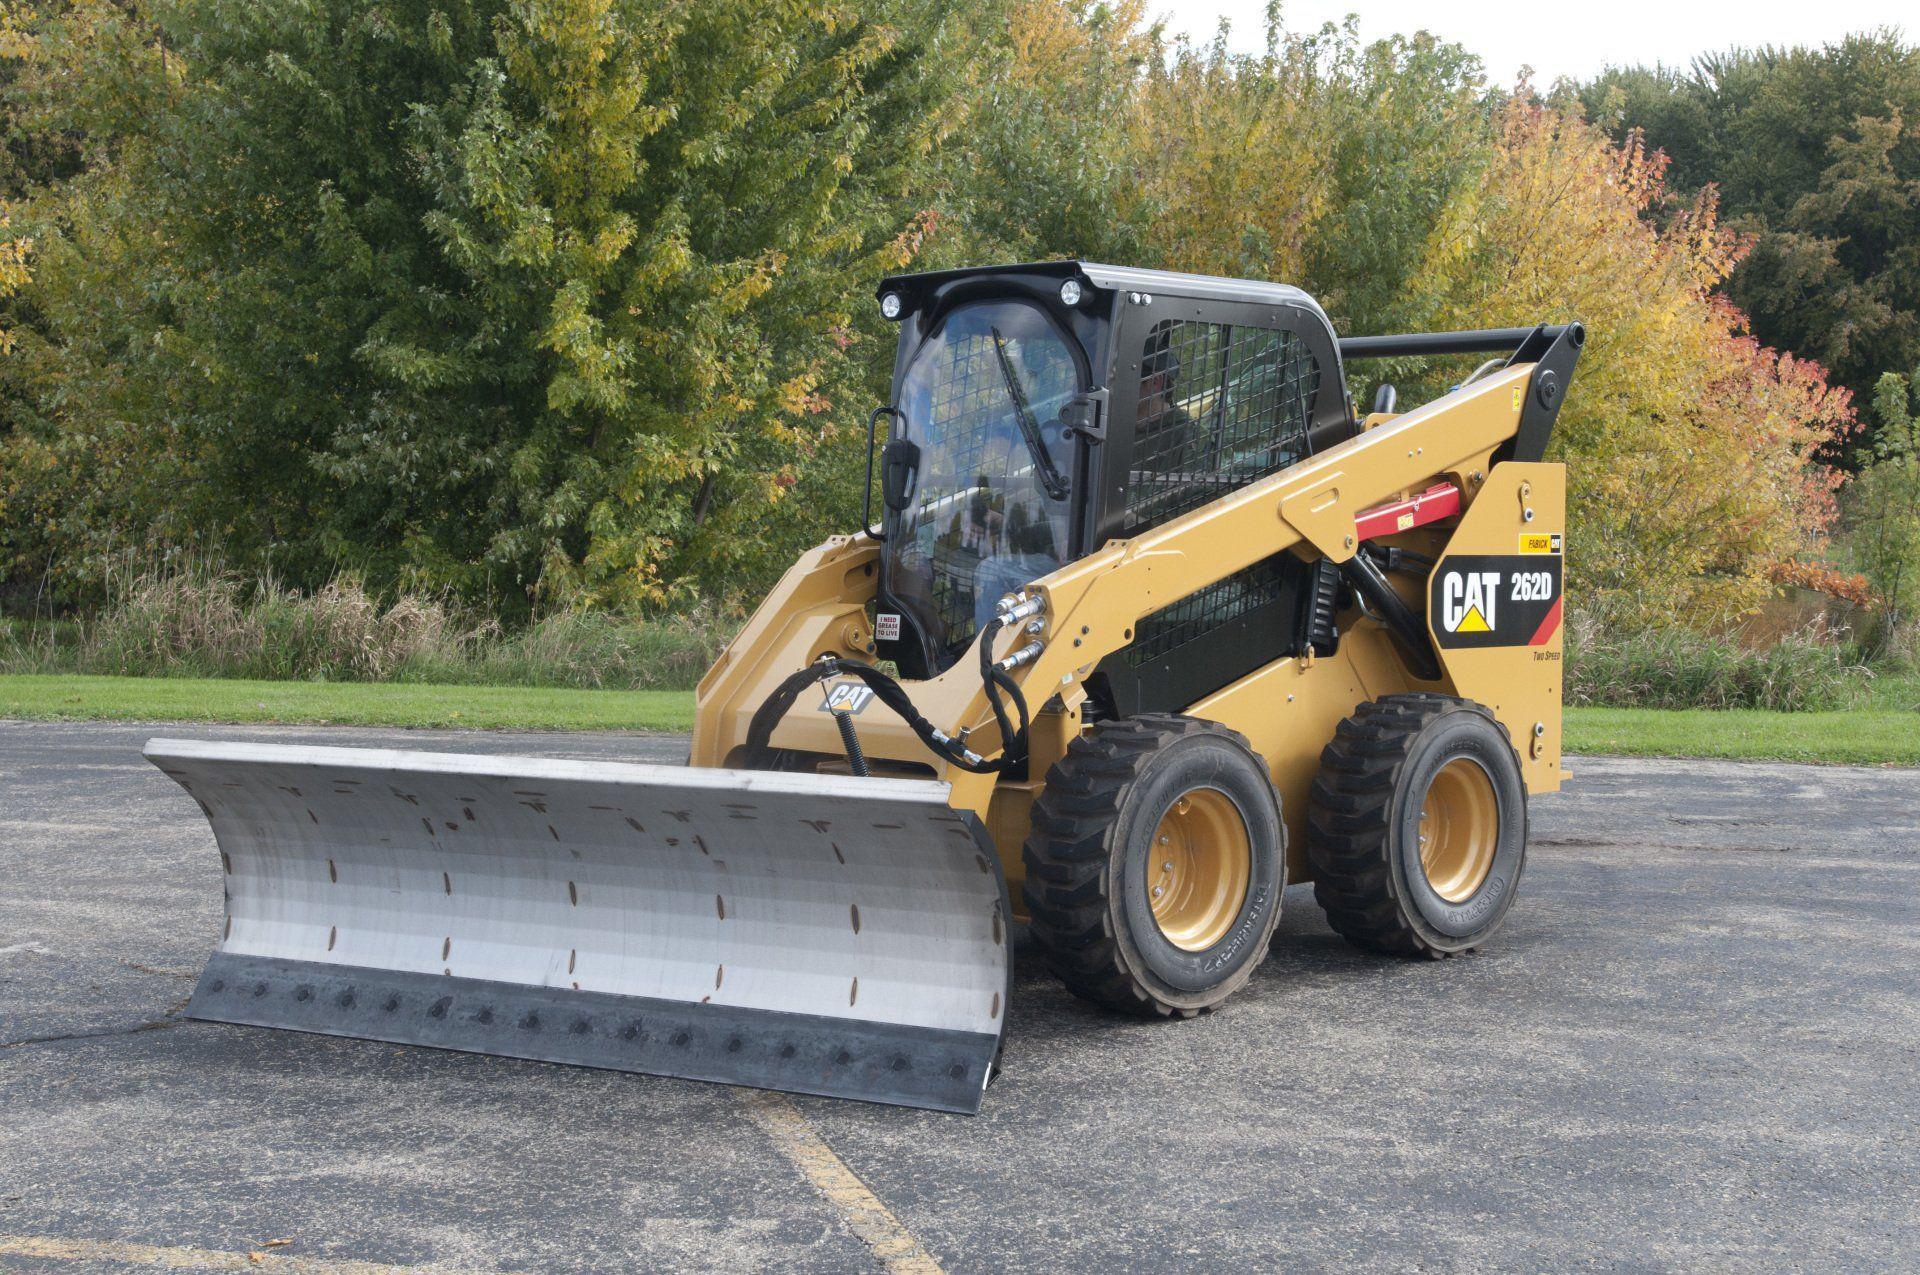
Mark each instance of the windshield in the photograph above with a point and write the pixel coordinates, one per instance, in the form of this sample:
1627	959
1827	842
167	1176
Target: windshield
982	398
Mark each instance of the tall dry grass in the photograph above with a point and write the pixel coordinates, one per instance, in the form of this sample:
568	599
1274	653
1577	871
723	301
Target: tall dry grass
201	623
1805	670
197	623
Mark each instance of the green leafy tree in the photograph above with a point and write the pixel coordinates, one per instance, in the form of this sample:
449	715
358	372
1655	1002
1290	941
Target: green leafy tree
528	298
1045	161
1319	160
1885	504
1815	154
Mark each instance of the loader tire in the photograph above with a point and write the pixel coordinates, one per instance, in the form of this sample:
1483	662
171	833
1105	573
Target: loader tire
1156	802
1417	826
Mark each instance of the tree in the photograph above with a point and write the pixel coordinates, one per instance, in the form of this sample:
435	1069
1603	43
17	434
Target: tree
526	298
1885	504
1815	155
1690	447
555	301
1044	161
1380	177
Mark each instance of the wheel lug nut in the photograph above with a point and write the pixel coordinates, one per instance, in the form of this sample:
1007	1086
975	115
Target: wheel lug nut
1158	891
1167	866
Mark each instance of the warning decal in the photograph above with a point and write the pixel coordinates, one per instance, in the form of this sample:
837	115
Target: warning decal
1495	600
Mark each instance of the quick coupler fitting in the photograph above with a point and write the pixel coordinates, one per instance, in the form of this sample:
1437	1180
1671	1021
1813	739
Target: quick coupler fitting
1016	607
1025	655
943	739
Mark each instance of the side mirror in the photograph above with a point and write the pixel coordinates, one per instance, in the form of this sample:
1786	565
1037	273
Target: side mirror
899	473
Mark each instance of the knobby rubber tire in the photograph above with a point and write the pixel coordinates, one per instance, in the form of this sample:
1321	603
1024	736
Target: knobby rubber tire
1098	812
1358	819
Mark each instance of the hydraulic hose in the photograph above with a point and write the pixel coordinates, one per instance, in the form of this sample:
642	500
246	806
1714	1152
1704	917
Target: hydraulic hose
888	691
1409	631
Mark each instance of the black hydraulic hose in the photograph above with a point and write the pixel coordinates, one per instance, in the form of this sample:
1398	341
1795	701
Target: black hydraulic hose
889	692
1417	648
992	679
1393	558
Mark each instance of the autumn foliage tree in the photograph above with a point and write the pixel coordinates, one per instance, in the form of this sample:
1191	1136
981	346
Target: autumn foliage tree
1376	176
1690	447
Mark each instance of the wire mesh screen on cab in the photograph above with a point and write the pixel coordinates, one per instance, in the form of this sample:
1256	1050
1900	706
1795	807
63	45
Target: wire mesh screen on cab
1221	406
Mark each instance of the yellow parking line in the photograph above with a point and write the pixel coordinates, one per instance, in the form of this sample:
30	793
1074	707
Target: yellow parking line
54	1248
871	1220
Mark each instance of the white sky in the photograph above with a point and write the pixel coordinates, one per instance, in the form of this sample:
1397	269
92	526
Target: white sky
1573	37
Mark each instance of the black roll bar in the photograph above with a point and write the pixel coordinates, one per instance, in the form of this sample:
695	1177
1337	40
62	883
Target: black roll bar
1416	344
1553	349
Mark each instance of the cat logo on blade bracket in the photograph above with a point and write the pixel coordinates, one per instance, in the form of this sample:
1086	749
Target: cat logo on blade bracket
1495	600
847	697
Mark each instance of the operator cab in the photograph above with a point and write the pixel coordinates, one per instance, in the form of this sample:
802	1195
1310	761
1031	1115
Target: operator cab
1040	411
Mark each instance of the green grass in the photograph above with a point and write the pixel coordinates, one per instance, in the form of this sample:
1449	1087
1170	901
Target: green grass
1885	731
193	699
1864	737
1883	728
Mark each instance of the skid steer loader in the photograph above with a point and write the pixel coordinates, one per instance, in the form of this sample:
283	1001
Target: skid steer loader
1152	624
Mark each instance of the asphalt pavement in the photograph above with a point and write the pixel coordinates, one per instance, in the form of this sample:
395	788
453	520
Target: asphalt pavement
1695	1045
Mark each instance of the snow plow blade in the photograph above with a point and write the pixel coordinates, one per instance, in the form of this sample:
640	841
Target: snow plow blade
817	934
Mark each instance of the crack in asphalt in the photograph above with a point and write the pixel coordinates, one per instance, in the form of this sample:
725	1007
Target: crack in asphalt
150	1025
154	969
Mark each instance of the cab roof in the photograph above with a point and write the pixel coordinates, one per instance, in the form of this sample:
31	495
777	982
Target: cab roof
1170	283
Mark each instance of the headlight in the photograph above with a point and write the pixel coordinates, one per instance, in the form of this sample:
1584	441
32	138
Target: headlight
890	305
1070	292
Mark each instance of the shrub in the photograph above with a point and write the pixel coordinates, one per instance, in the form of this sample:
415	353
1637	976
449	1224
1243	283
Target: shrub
591	649
1681	668
1885	507
196	623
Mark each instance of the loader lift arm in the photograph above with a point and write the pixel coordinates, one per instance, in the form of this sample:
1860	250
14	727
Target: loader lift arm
1095	604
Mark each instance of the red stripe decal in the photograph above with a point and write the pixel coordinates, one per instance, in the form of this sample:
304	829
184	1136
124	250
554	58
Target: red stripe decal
1547	626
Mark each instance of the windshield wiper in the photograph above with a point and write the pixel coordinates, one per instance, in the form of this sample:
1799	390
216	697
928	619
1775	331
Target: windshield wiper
1029	427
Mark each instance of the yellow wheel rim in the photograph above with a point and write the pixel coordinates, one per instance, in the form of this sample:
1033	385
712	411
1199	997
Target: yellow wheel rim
1459	829
1197	877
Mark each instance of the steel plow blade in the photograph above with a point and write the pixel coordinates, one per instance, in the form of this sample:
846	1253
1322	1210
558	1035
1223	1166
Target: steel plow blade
819	934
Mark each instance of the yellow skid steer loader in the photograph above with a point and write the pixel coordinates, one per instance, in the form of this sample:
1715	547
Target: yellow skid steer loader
1152	624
